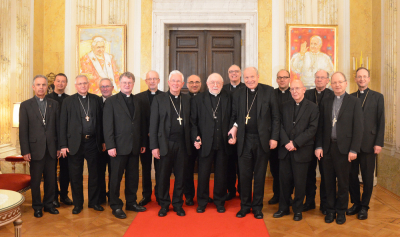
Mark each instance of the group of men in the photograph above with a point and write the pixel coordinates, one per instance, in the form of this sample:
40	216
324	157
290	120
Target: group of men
235	128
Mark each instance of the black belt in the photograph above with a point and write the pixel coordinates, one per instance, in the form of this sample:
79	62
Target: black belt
87	137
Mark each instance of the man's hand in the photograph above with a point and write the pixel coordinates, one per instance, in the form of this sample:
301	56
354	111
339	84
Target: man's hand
290	146
273	144
304	48
58	154
197	144
232	132
352	156
142	149
64	152
156	153
319	153
104	147
112	152
27	157
377	149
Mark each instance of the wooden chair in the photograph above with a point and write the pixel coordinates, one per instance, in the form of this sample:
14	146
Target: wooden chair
15	182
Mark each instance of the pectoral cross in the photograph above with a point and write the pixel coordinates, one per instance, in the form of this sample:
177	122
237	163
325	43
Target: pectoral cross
87	118
180	120
247	118
44	122
334	121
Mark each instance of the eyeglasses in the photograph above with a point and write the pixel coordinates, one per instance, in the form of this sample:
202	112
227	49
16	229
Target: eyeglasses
152	79
338	82
233	71
362	77
82	84
282	78
214	83
126	83
293	89
193	82
105	87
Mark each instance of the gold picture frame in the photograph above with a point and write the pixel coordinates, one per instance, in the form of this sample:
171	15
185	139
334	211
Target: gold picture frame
101	53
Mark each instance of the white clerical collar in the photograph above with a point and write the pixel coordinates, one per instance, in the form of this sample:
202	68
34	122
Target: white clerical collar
40	99
338	96
213	93
252	90
234	86
319	92
128	96
59	95
104	98
84	96
283	91
297	103
153	92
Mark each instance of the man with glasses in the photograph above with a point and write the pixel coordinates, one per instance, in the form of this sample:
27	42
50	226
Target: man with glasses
106	89
235	75
372	103
125	138
81	135
316	95
194	85
152	81
338	140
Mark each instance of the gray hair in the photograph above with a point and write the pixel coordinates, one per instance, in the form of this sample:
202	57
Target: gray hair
97	40
215	74
176	72
105	79
40	76
79	76
255	69
127	75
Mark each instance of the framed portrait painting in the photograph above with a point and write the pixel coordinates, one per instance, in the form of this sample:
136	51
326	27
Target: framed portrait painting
101	52
311	48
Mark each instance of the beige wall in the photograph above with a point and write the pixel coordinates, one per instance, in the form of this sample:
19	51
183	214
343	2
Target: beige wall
145	54
265	41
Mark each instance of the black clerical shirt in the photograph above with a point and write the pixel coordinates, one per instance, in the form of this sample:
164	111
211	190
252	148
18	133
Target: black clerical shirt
361	96
217	138
129	103
57	97
251	126
151	95
87	126
176	132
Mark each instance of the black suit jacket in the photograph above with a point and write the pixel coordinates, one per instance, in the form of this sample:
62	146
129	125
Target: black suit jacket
302	132
160	122
349	125
227	87
202	121
71	122
121	131
285	97
34	136
374	121
268	120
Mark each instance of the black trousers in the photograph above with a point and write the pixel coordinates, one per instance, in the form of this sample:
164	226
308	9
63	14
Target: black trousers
252	163
45	167
367	163
311	186
103	163
274	168
176	159
336	165
87	150
130	165
146	160
188	182
63	178
220	159
292	172
233	170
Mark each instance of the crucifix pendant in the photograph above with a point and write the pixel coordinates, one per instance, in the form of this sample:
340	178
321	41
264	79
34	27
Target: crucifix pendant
180	120
247	118
44	122
334	121
87	118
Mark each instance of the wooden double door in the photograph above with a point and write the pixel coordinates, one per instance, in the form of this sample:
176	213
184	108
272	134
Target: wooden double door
204	52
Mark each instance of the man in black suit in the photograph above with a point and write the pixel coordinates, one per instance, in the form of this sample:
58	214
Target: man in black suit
81	135
210	117
152	81
255	124
338	139
106	89
234	84
38	133
125	136
60	83
316	95
194	86
298	127
170	141
373	107
282	94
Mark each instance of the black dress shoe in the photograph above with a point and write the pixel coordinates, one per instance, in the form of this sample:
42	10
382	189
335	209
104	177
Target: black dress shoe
273	200
308	206
210	200
77	210
119	213
97	207
221	209
340	219
179	211
281	213
189	202
363	214
242	213
66	200
135	207
330	217
56	203
201	209
298	216
258	214
38	213
144	201
230	196
163	212
51	210
353	210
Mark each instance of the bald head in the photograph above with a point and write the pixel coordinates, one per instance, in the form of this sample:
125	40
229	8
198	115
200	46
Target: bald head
194	84
297	90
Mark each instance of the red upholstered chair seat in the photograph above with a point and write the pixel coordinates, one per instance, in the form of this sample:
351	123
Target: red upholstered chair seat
15	182
14	159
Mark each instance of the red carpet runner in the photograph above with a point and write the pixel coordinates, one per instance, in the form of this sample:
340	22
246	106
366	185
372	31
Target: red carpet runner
207	224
